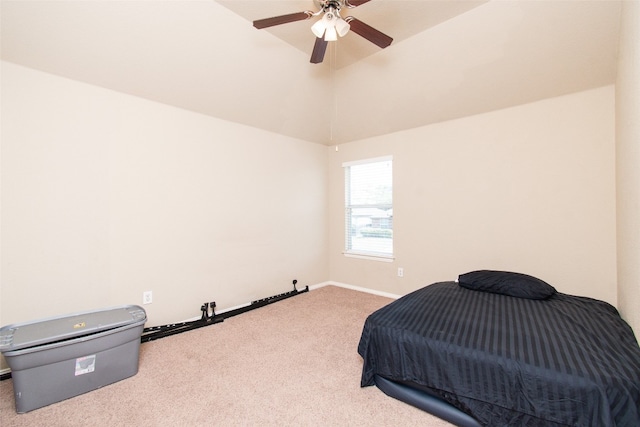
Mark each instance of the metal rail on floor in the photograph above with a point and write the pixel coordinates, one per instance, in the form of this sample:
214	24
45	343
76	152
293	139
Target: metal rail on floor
209	316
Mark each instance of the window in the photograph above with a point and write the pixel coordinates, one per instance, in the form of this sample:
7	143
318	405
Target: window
369	208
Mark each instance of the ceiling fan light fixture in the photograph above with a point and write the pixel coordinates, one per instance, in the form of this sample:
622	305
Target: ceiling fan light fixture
331	35
342	27
330	26
318	28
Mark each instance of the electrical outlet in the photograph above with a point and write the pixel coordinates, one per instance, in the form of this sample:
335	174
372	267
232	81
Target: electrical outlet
147	297
400	272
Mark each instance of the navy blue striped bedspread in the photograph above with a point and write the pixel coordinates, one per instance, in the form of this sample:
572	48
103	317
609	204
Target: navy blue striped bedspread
508	361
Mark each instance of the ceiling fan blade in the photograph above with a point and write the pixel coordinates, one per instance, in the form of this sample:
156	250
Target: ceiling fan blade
355	3
318	50
369	33
283	19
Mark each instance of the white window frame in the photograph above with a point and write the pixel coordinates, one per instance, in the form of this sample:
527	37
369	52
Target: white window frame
360	253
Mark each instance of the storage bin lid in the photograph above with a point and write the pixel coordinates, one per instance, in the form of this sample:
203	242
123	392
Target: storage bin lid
59	328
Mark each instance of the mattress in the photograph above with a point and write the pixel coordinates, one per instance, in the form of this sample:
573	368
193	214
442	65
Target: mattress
565	360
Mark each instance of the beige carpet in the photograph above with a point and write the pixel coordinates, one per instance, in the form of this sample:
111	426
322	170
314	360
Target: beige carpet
294	363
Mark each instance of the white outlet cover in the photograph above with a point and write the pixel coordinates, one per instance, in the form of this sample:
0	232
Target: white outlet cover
147	297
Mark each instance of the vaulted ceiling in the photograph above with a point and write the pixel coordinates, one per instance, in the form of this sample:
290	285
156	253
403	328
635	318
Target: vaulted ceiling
449	58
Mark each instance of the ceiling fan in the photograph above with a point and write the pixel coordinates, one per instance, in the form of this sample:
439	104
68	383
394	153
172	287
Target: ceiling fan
330	26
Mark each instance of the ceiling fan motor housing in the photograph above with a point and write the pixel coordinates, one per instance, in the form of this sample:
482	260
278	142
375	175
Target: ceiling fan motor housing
327	5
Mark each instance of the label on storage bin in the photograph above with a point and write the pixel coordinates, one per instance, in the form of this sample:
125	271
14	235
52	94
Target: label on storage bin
85	364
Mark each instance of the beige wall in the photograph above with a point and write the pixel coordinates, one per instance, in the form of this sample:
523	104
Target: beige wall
528	189
628	164
105	196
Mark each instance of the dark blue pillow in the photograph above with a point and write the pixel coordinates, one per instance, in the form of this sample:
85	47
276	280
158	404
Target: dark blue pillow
506	283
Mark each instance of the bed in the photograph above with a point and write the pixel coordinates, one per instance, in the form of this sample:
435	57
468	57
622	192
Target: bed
502	348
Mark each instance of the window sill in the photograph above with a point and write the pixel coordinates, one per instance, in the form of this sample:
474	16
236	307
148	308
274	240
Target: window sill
369	256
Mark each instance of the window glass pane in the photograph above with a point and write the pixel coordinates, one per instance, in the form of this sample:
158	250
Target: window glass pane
369	208
371	183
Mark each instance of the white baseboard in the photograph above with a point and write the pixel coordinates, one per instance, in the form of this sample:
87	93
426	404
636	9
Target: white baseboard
355	288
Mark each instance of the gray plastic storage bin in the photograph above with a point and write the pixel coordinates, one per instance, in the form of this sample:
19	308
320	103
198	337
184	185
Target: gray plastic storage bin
60	357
